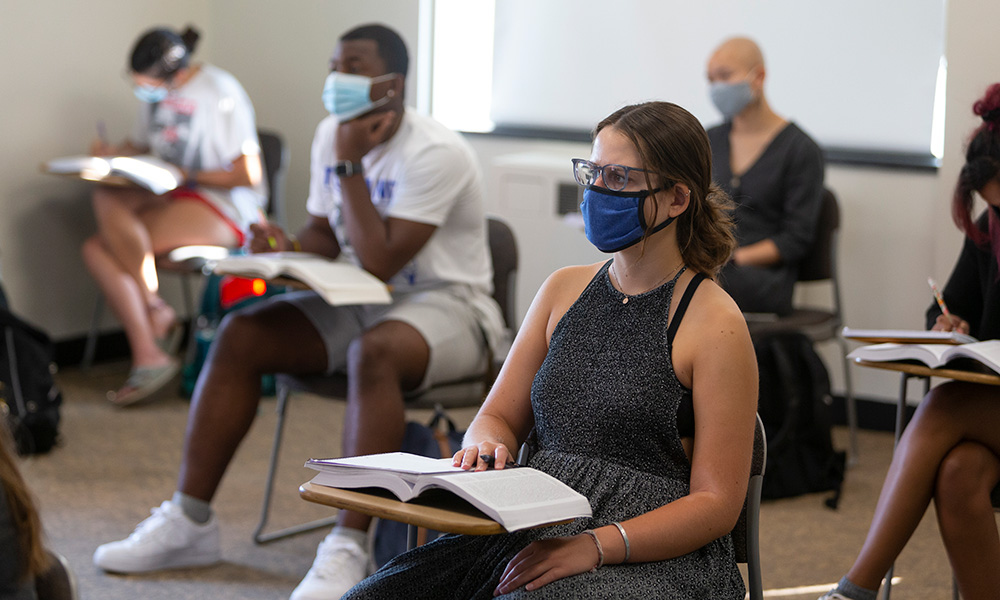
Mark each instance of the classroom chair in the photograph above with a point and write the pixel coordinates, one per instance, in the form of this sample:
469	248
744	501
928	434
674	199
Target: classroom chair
191	261
464	393
746	533
820	324
57	582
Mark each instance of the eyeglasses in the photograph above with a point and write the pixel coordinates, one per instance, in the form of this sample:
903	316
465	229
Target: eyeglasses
615	177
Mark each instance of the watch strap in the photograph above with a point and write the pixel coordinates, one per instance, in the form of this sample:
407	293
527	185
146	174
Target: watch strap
346	168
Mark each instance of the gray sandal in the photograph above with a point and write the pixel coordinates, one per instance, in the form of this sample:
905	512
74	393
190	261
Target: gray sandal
143	382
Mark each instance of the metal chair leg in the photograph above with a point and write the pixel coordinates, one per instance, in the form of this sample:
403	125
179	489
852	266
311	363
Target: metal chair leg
852	406
259	536
90	348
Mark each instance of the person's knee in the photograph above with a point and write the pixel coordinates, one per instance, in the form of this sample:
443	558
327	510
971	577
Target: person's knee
371	353
237	338
965	477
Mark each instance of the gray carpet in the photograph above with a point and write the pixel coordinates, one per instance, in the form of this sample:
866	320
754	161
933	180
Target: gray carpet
113	464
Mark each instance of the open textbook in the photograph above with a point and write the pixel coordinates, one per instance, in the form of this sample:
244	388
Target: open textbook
517	498
906	336
933	355
150	172
337	282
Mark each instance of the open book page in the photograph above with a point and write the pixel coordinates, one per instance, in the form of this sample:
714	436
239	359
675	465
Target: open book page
150	172
906	336
396	462
929	354
932	355
516	498
987	352
338	282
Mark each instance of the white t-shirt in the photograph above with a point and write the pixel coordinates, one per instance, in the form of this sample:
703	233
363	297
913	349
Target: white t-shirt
425	173
205	125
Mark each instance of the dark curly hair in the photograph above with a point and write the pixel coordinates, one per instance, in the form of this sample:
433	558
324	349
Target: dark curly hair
982	165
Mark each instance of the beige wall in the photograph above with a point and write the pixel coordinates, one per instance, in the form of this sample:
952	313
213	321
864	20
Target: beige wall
62	71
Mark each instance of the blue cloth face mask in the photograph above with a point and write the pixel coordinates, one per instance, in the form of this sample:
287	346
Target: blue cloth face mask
347	96
731	98
613	220
150	93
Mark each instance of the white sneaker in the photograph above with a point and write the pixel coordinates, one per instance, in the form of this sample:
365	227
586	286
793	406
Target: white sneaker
166	540
340	565
832	595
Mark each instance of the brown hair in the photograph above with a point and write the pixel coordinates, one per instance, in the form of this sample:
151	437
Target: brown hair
21	506
672	144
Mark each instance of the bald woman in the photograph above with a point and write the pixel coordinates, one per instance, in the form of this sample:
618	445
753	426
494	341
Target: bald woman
774	172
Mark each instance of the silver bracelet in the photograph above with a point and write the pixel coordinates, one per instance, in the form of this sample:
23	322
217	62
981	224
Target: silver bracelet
628	548
600	550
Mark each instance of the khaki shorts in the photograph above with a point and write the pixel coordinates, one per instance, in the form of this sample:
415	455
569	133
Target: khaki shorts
443	317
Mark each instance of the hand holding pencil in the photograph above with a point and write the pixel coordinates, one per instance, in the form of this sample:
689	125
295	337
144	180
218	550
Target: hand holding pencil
946	321
267	237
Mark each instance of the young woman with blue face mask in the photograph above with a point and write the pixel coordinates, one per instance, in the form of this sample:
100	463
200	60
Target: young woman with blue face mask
638	376
199	118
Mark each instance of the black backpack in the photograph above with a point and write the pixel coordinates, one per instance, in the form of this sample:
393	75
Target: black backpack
438	439
29	398
794	405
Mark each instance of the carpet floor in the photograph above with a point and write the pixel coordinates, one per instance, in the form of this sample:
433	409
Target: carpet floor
113	464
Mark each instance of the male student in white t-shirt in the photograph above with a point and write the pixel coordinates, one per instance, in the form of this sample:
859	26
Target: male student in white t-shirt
400	195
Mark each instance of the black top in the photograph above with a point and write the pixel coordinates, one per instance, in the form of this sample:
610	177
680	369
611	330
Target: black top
972	291
779	198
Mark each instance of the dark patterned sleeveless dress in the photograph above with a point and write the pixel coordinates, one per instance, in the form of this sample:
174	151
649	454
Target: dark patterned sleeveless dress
605	402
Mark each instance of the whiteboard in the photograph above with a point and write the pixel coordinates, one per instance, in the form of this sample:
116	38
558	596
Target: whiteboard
853	73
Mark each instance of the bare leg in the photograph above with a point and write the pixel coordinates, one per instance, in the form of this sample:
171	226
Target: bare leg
127	301
265	338
950	413
387	359
965	516
133	225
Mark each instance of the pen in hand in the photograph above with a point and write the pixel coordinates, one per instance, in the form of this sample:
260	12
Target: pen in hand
490	460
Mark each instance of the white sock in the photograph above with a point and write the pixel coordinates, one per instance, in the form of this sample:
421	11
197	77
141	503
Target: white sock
195	509
359	537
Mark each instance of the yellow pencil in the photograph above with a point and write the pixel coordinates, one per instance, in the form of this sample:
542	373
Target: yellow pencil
271	240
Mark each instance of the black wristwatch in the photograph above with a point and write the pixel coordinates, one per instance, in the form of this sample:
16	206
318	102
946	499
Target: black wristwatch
346	168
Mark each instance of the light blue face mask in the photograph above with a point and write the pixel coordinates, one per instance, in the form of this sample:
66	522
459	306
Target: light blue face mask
347	96
150	93
731	98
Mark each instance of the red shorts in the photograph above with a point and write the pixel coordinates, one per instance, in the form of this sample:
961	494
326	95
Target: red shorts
190	194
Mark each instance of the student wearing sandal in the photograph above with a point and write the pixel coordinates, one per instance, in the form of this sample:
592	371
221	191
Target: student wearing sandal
199	118
638	376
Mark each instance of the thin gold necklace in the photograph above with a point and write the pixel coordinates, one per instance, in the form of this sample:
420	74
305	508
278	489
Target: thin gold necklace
658	284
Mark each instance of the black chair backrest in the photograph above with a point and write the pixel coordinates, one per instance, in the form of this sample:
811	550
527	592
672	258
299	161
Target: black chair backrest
503	252
274	155
757	465
818	263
